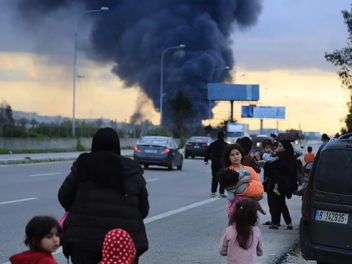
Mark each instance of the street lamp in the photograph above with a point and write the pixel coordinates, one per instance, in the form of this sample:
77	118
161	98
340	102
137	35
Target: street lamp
103	8
161	79
211	79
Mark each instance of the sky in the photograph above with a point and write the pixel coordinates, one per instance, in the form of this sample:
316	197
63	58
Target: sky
283	53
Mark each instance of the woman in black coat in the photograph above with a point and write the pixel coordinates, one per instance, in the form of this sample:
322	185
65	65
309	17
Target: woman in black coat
283	172
104	191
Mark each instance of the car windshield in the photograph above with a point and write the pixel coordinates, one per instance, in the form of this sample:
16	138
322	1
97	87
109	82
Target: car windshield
335	172
153	141
235	134
198	140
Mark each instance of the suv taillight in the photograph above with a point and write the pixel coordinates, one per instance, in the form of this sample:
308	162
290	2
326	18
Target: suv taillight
136	149
307	200
167	150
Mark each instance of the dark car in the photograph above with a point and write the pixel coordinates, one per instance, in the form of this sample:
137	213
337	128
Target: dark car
160	151
326	223
197	146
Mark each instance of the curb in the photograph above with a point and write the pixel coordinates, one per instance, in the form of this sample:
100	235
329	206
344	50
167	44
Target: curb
36	161
31	161
283	257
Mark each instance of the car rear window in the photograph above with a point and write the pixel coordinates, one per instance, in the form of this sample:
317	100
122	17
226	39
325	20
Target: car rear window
153	141
335	172
198	140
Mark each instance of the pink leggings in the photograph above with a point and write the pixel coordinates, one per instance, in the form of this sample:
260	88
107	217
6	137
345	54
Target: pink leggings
232	204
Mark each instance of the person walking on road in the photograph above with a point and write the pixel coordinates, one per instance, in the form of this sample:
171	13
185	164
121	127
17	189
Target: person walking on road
215	152
242	241
43	238
233	157
248	159
104	191
118	248
309	157
285	175
273	138
325	140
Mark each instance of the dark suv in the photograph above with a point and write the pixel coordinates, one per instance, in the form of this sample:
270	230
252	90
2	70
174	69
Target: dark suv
326	224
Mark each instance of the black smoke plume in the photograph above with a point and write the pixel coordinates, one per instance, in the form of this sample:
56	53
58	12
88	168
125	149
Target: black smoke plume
134	33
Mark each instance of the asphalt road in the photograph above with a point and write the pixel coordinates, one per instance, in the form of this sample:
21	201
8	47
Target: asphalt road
184	224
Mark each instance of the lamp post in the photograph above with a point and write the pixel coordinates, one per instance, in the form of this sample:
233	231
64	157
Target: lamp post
161	79
211	79
103	8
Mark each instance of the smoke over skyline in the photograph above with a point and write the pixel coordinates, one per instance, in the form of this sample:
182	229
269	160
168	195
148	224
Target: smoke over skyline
134	33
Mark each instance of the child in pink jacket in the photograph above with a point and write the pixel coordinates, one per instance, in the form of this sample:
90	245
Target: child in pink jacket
242	241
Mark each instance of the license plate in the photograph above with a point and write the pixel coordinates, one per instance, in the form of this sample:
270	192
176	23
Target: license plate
332	217
150	151
196	146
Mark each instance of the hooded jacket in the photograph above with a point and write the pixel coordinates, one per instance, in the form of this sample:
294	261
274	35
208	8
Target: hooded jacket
33	257
214	152
287	173
97	205
118	248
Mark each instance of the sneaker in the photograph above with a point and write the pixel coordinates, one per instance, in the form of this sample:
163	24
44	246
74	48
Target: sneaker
222	196
213	194
276	192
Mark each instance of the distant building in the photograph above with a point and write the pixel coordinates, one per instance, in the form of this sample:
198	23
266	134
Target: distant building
267	131
58	120
312	135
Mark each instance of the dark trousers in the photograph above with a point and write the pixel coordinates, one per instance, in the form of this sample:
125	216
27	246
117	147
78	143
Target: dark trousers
136	260
81	256
277	206
215	180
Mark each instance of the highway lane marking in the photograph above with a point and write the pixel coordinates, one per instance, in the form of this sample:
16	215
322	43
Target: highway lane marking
161	216
179	210
17	201
35	158
152	180
192	160
36	164
46	174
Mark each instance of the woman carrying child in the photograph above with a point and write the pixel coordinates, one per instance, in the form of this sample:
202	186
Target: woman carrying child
232	159
285	175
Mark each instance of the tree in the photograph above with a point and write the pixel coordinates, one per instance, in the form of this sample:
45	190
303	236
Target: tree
223	123
9	114
160	131
348	119
33	122
343	59
181	107
23	122
6	113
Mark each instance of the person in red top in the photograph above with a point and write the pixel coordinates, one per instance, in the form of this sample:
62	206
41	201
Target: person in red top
43	238
118	247
309	156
